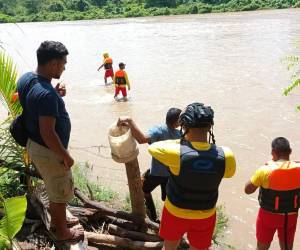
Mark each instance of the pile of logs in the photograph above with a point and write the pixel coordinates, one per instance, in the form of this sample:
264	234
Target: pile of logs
103	225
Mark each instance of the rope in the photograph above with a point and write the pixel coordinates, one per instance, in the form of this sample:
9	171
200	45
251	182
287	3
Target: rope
98	147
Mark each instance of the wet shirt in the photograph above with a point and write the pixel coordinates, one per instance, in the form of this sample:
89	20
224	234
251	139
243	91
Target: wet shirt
168	153
160	133
39	98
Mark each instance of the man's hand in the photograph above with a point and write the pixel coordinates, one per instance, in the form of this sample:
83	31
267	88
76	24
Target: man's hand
68	161
124	121
61	89
128	87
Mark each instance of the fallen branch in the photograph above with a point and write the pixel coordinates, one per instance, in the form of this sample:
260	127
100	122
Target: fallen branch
88	215
122	242
115	230
115	213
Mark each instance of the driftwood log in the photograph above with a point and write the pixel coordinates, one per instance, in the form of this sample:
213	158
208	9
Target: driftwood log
116	230
116	213
87	215
122	242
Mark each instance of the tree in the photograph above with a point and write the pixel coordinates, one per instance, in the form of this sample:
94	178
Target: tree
32	6
56	6
79	5
98	2
160	3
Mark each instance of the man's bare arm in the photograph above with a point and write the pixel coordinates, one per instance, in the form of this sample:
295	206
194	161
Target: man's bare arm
250	188
135	130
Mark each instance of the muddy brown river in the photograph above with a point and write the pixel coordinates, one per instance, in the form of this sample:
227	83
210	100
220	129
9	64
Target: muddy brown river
232	61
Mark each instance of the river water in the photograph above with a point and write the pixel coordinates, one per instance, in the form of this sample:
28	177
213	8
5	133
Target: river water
232	61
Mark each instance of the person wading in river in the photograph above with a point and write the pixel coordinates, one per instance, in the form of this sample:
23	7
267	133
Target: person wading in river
121	82
279	197
107	64
196	169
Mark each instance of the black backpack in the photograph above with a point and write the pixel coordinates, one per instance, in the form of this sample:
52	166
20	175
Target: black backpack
18	130
17	127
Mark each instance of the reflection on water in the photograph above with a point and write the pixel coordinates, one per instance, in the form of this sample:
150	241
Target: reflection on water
231	61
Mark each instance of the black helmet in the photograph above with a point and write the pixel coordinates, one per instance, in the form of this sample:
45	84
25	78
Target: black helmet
196	115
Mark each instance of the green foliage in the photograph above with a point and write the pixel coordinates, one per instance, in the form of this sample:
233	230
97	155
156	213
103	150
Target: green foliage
6	18
160	3
10	152
56	6
127	203
8	84
14	215
294	67
95	191
50	10
79	5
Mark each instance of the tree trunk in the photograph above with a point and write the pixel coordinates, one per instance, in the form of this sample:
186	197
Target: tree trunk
135	188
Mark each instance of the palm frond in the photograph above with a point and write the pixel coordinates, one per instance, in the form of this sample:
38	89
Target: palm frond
291	87
8	84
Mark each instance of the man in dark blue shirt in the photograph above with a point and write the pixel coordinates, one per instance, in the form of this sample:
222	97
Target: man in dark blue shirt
48	125
158	174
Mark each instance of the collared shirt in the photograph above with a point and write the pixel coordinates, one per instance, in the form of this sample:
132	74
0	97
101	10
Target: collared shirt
160	133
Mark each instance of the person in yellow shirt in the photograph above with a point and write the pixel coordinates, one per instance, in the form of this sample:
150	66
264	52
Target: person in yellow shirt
107	64
121	81
279	197
196	167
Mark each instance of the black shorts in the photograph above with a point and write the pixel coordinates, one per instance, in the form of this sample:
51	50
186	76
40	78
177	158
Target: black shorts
150	182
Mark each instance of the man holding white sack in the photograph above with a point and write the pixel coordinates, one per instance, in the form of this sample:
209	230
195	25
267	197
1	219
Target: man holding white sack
158	174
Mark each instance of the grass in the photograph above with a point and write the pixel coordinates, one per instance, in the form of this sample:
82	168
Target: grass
94	190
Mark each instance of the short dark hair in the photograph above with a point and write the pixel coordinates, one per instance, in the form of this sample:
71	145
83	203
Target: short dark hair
50	50
281	145
172	116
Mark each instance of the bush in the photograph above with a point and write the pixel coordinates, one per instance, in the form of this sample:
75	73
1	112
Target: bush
56	6
160	11
78	5
5	18
194	9
251	6
160	3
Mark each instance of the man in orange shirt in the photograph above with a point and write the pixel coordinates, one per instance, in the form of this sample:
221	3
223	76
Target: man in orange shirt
107	64
279	193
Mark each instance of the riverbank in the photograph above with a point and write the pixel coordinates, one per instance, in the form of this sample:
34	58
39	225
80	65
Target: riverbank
39	11
232	61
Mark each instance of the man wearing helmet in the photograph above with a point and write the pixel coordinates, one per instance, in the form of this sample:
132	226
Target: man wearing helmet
196	169
107	63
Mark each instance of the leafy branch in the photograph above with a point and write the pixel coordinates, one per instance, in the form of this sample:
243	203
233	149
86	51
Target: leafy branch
294	67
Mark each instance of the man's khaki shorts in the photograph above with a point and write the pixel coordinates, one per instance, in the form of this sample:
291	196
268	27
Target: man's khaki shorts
58	180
